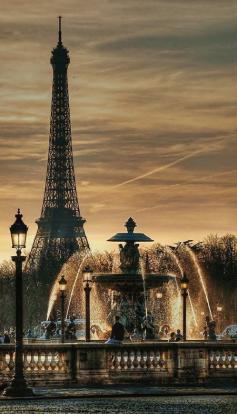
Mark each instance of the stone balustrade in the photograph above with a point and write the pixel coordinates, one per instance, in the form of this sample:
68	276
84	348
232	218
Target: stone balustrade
97	363
137	359
223	359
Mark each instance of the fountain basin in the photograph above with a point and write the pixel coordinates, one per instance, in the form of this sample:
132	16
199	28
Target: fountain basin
131	281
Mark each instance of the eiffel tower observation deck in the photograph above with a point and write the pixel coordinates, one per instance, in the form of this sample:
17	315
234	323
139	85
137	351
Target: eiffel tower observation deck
60	227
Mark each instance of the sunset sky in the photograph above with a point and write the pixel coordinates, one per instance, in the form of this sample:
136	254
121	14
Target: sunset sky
153	96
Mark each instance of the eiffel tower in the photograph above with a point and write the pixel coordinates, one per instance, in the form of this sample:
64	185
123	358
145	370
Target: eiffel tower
60	227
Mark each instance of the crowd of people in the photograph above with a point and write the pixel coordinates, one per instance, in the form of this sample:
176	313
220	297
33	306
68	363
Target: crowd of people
118	332
53	329
148	330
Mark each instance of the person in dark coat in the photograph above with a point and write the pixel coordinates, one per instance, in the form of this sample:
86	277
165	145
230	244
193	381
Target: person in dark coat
6	338
117	333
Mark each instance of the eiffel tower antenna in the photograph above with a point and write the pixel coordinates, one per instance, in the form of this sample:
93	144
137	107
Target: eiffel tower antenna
60	30
60	227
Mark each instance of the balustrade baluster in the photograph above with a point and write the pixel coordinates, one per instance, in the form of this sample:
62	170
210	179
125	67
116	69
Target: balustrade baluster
125	357
112	360
39	362
138	359
156	359
135	362
143	359
25	361
53	363
3	363
148	360
32	361
163	359
234	360
223	361
117	360
152	359
11	363
211	360
61	362
47	361
129	362
122	362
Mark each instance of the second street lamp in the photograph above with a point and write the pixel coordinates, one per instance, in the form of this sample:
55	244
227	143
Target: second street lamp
62	287
87	282
219	310
18	386
184	289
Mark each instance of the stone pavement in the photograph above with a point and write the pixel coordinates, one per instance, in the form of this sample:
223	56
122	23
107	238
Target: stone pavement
125	391
205	404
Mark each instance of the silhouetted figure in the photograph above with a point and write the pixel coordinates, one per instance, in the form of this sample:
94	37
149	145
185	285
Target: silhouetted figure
205	333
179	336
210	327
172	337
117	333
6	338
211	331
29	334
148	327
71	330
50	329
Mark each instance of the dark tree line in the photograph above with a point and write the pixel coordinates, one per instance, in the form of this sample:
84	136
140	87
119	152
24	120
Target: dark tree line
217	256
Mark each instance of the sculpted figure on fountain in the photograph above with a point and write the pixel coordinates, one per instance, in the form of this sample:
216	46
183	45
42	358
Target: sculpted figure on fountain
129	257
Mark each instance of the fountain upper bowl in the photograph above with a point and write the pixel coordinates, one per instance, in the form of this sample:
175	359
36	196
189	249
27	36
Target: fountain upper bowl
131	281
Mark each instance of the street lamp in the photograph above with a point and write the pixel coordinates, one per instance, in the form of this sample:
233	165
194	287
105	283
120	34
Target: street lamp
184	288
18	386
87	282
62	287
219	309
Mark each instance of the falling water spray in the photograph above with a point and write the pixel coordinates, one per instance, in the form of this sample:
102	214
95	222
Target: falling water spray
142	266
173	255
75	280
201	277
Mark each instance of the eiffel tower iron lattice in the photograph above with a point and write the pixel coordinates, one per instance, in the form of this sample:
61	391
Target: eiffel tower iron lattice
60	227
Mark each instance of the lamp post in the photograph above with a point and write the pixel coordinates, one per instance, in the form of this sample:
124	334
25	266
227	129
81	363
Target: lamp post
62	287
184	288
157	303
219	309
87	282
18	386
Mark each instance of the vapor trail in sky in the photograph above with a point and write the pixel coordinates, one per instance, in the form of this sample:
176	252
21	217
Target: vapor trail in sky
170	164
158	169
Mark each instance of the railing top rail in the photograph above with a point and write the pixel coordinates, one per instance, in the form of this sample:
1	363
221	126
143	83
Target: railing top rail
50	346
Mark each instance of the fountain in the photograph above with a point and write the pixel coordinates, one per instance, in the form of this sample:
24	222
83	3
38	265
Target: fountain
129	283
129	287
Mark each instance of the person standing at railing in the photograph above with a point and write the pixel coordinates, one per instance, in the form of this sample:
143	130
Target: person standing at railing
117	333
172	337
179	336
6	338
